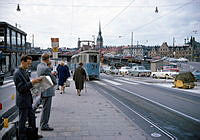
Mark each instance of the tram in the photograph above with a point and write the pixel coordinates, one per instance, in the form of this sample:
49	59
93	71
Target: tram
90	60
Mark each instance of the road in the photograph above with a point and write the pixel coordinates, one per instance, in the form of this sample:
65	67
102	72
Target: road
163	112
174	112
7	95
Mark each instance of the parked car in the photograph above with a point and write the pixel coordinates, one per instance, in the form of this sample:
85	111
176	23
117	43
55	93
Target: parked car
1	78
114	70
139	71
196	74
164	74
106	69
124	70
132	65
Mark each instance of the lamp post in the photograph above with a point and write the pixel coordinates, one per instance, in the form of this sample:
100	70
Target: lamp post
93	40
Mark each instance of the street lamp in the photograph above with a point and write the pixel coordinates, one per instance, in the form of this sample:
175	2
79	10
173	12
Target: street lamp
18	8
93	40
156	11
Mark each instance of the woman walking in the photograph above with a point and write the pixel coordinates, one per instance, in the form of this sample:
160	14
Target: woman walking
63	74
79	78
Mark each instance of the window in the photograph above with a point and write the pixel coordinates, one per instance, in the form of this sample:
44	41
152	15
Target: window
23	40
13	38
93	58
77	59
8	37
2	39
18	39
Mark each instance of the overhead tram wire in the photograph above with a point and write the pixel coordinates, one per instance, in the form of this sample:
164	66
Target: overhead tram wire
118	14
152	21
88	6
148	23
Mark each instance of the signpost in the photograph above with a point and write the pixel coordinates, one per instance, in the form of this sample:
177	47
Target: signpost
55	46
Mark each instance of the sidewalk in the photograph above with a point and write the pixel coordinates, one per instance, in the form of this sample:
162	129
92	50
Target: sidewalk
88	117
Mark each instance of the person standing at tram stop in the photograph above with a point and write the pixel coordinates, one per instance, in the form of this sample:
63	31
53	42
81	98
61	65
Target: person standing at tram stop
79	77
46	96
24	98
57	68
63	74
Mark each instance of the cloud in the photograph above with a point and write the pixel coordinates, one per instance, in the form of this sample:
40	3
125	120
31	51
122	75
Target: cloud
70	19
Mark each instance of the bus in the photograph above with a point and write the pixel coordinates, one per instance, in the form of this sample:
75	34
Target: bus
90	60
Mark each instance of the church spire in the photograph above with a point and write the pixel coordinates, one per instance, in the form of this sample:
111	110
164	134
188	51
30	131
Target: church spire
99	38
99	28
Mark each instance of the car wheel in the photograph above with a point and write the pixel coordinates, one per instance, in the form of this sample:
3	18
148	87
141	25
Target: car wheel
1	83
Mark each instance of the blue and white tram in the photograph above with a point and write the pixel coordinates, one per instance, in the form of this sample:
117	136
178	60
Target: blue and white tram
90	60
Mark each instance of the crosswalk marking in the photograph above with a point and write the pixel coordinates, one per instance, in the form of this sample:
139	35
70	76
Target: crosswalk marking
99	82
137	81
126	82
7	81
112	82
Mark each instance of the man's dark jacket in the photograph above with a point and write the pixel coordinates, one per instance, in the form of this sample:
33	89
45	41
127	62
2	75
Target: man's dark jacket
23	85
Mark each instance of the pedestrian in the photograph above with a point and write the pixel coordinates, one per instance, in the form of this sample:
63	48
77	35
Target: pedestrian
79	77
46	96
24	98
63	75
57	68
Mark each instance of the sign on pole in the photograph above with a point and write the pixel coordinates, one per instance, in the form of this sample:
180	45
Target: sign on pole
55	44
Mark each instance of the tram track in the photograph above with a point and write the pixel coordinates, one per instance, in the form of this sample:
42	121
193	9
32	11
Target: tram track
169	122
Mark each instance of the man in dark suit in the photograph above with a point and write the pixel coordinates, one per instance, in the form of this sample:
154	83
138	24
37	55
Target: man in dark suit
46	96
24	98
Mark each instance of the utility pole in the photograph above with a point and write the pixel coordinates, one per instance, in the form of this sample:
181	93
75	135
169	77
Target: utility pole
131	44
33	40
173	41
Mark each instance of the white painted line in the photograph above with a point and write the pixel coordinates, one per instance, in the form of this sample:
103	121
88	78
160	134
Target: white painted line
126	81
9	84
99	82
112	82
166	133
7	81
137	81
159	104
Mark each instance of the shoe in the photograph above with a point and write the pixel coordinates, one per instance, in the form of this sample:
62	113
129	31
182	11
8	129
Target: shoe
47	129
39	136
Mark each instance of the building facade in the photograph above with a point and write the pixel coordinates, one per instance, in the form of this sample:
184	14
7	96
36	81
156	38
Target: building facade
190	50
12	46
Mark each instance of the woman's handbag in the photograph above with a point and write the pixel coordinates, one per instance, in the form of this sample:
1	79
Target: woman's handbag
67	83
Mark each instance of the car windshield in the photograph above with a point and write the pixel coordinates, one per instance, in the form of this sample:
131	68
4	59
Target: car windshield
141	68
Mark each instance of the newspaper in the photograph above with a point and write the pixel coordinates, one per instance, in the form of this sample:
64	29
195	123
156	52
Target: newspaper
42	86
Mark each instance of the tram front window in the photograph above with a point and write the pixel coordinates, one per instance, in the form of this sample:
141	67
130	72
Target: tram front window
93	59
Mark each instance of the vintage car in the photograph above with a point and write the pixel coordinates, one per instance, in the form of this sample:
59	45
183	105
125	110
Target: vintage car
124	70
114	70
196	74
139	71
164	74
106	69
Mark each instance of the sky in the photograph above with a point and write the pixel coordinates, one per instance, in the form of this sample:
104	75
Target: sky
69	20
